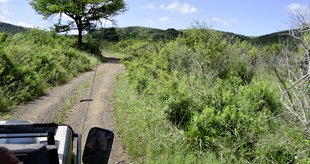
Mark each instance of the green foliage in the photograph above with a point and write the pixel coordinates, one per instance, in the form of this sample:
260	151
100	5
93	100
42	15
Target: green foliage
146	133
273	38
3	37
215	94
178	100
135	48
84	14
33	61
234	118
109	34
137	33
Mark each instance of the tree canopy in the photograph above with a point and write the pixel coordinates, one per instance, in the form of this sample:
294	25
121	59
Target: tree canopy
84	13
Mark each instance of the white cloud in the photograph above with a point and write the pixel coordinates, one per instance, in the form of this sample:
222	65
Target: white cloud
175	6
296	9
148	6
4	1
224	22
163	19
186	8
2	18
172	6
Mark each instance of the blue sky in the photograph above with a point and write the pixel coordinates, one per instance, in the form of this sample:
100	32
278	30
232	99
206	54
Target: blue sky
247	17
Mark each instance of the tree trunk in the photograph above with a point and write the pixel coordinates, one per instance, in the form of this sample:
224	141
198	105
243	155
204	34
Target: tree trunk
80	36
80	30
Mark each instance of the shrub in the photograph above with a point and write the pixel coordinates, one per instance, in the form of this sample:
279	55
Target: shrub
35	60
214	93
3	37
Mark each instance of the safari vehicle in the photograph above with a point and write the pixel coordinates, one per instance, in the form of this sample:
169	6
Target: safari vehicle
51	143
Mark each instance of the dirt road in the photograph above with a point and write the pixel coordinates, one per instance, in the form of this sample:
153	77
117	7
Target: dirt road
100	110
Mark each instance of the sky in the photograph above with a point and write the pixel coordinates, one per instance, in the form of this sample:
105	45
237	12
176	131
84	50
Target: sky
246	17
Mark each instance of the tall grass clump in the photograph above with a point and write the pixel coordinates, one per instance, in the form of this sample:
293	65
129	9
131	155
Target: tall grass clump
146	133
33	61
202	98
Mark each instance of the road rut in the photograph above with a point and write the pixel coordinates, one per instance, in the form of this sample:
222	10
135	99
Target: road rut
100	110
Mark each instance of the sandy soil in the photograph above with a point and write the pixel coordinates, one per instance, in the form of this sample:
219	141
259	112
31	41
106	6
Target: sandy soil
99	111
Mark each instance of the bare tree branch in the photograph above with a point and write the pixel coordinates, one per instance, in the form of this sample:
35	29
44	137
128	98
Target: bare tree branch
295	79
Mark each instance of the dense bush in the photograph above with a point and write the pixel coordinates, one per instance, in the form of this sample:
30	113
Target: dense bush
138	33
211	90
33	61
234	118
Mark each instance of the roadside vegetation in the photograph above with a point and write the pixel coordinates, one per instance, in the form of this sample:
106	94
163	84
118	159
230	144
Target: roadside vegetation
204	97
34	61
190	96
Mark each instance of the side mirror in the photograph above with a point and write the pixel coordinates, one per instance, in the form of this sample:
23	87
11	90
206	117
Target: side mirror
98	146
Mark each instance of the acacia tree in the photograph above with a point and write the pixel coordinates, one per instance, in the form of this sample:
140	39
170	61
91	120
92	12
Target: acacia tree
85	14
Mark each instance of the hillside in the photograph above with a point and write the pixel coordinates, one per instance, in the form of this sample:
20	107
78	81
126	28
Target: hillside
9	28
271	38
137	32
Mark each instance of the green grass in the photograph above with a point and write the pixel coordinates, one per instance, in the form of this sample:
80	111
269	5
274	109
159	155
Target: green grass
147	134
112	53
6	116
226	109
33	62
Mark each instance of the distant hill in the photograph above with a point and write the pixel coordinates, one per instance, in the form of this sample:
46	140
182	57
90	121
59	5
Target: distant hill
9	28
238	36
276	37
137	32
